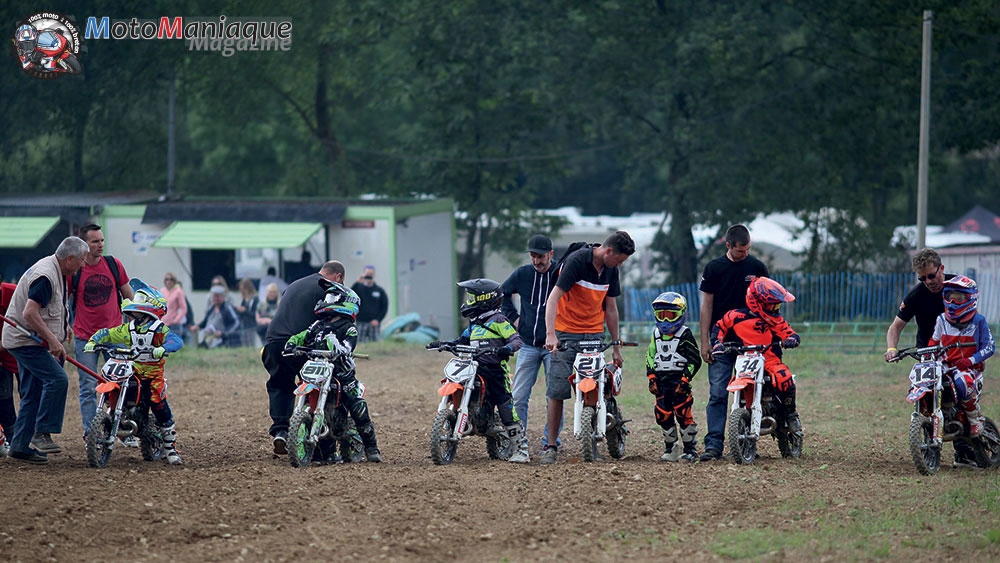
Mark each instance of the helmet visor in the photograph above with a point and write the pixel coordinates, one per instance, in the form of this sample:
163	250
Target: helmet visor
666	315
955	297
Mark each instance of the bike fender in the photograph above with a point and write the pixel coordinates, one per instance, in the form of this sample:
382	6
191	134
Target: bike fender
916	393
306	388
107	386
449	388
587	385
738	383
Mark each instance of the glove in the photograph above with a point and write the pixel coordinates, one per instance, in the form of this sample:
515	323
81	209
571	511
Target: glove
89	346
158	352
717	348
434	344
791	342
963	363
652	384
684	386
504	352
289	347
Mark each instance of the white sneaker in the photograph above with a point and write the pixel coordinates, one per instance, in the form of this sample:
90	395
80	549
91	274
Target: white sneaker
4	449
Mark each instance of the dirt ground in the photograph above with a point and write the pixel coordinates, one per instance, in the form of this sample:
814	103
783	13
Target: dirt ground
233	501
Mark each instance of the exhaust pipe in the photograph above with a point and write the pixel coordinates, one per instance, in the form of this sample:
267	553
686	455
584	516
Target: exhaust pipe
768	425
127	428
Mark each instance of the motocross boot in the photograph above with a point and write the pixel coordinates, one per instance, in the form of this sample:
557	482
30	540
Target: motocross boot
793	422
169	436
671	452
688	435
371	444
518	438
975	420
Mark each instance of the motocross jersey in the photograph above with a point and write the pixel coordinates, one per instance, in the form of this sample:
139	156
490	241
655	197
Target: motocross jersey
142	337
491	330
665	353
339	334
745	328
977	331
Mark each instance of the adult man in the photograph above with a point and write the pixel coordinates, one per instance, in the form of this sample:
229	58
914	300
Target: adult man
588	279
533	282
39	304
374	305
272	277
97	291
724	284
295	314
924	301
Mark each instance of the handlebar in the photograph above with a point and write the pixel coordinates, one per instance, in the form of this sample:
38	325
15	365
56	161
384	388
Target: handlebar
120	353
316	353
583	344
458	349
729	348
916	351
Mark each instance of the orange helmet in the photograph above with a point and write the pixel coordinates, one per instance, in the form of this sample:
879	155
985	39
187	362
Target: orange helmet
765	296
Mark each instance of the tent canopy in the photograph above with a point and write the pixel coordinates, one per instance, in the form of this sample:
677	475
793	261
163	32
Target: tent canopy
25	232
231	235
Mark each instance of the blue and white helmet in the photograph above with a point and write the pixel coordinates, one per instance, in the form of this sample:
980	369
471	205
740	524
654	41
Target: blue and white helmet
669	312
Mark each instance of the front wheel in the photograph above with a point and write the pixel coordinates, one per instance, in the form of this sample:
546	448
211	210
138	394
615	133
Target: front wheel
98	445
987	445
742	447
587	434
300	448
925	455
442	446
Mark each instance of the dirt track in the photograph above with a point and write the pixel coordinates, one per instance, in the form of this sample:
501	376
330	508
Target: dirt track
232	500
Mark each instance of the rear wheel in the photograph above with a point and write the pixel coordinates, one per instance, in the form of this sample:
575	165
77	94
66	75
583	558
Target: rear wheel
98	445
987	445
442	447
616	435
742	447
499	446
300	449
587	434
925	455
789	443
149	440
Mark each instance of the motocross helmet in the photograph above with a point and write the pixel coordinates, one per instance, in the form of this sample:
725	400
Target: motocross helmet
765	296
960	295
669	310
339	300
482	295
27	38
147	300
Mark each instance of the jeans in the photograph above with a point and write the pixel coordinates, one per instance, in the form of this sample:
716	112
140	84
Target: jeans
88	383
529	359
43	384
719	373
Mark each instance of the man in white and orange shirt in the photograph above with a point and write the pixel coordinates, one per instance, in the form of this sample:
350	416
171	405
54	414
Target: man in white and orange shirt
582	302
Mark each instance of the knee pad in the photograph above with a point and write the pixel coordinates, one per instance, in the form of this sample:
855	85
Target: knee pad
966	385
689	432
670	435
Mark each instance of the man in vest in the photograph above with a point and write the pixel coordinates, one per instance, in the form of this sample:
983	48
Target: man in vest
39	304
97	292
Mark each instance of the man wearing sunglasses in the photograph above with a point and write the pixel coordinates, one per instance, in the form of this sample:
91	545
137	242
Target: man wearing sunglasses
925	302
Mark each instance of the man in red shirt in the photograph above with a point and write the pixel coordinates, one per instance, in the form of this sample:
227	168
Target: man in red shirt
8	371
97	292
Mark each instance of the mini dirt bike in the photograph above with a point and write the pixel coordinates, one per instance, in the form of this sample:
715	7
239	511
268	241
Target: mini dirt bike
121	410
935	419
464	410
755	410
596	415
320	412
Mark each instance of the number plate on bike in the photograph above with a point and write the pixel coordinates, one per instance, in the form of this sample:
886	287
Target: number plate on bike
117	370
748	365
923	372
459	371
314	371
588	362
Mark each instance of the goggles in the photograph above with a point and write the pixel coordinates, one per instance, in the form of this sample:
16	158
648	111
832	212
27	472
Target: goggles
772	308
666	315
955	297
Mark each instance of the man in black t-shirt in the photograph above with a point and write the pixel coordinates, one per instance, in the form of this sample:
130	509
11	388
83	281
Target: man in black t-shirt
374	305
723	288
925	302
294	314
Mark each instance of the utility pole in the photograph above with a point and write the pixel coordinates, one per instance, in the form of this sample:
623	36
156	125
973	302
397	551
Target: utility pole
925	130
171	152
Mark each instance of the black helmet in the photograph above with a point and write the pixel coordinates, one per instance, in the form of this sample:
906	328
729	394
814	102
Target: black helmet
481	296
339	300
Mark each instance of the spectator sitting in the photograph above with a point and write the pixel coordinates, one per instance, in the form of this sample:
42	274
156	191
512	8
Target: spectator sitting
219	280
266	310
248	311
221	323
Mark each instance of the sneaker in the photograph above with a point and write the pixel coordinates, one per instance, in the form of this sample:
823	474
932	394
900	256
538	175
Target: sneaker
280	442
42	442
32	457
131	442
710	455
373	455
4	449
548	456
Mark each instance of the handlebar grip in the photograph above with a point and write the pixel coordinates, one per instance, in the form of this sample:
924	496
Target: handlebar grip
361	356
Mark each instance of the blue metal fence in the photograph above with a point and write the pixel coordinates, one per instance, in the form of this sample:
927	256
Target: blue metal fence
839	296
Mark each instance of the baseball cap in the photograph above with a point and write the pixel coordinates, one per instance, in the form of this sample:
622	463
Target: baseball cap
539	244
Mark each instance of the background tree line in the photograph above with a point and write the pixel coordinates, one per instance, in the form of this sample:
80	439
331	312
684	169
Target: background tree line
712	111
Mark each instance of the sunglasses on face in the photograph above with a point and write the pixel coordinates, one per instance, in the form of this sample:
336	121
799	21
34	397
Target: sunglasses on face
930	276
169	279
666	315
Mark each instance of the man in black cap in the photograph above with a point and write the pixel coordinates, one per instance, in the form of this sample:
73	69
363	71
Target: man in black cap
532	282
